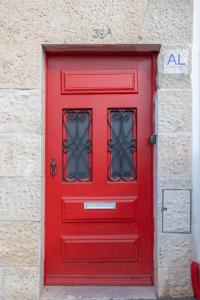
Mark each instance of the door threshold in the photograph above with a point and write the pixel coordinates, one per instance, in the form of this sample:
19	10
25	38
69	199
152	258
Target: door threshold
98	293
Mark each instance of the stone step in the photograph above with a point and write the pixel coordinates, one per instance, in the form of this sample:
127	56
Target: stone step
97	293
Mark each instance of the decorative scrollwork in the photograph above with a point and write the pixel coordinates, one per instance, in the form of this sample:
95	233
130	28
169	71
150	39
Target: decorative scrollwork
122	145
76	145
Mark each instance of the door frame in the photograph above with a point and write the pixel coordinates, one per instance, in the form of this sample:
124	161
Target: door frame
151	54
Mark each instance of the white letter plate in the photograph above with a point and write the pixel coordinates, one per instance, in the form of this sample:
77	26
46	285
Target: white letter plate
99	205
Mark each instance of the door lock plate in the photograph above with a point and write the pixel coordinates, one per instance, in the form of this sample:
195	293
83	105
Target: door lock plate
153	139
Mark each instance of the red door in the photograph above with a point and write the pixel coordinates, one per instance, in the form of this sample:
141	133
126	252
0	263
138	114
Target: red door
99	212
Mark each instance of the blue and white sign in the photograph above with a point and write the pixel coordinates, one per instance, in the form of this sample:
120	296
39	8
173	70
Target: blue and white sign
176	61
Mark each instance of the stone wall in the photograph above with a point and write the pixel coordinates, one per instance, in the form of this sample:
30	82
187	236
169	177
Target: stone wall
196	131
28	27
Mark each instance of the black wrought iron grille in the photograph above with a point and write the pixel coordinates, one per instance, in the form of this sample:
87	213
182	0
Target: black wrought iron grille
122	145
77	145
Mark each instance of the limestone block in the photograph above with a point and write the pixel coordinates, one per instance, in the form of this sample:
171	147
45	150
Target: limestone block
174	250
4	12
174	183
20	244
177	216
20	111
20	198
20	155
21	284
162	251
167	22
174	111
162	284
174	155
76	21
173	80
180	282
180	251
29	20
20	65
1	282
174	282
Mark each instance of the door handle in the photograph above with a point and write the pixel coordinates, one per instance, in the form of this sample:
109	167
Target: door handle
53	167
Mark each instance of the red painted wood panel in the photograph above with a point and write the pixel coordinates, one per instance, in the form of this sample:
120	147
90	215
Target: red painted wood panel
93	81
99	246
73	209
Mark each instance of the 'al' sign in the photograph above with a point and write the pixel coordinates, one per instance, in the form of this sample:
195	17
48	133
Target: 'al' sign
176	61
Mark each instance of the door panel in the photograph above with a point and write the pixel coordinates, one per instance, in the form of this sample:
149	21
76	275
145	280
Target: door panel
93	81
98	249
99	212
125	208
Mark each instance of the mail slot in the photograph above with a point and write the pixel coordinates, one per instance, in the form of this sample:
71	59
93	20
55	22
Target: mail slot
99	205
